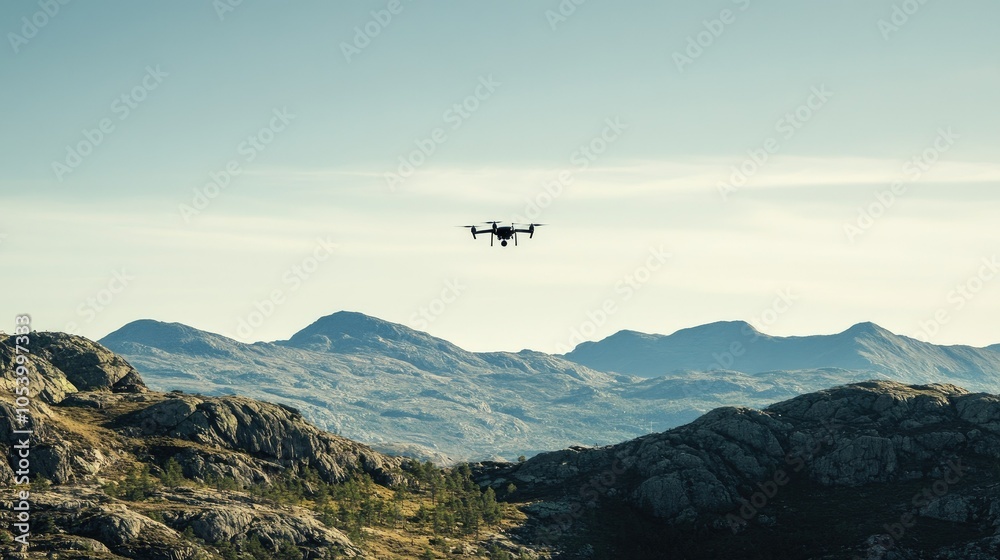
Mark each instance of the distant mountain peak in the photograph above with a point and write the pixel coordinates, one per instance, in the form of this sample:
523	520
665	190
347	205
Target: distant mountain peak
170	337
348	332
154	333
725	328
718	328
351	324
868	327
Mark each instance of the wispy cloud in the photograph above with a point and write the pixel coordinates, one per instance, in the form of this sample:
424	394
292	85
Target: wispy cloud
628	179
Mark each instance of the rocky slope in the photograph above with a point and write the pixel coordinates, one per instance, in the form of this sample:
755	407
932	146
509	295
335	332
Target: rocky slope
874	470
102	443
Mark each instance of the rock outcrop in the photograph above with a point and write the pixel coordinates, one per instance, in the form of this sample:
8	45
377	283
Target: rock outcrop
93	420
86	364
925	454
60	365
155	532
265	431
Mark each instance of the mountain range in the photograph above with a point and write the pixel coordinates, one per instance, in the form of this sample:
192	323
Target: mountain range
877	470
405	391
739	346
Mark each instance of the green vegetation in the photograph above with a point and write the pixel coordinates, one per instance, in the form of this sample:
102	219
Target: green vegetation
435	502
450	503
138	485
173	474
225	483
252	549
40	484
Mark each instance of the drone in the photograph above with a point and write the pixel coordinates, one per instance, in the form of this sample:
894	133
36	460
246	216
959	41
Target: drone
503	233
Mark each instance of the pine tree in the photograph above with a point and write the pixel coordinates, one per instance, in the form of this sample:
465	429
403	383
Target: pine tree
173	474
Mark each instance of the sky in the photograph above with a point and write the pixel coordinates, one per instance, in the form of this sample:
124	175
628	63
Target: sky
246	167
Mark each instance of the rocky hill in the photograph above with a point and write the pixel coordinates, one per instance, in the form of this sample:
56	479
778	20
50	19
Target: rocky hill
875	470
119	471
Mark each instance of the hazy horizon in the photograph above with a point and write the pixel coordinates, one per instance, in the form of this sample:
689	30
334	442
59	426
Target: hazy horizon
670	333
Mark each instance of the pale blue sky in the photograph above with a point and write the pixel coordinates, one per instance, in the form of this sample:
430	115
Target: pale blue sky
217	81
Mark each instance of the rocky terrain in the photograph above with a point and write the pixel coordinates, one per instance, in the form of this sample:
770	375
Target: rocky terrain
119	471
406	392
874	470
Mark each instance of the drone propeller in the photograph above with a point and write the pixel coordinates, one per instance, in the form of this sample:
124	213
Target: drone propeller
473	228
531	229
